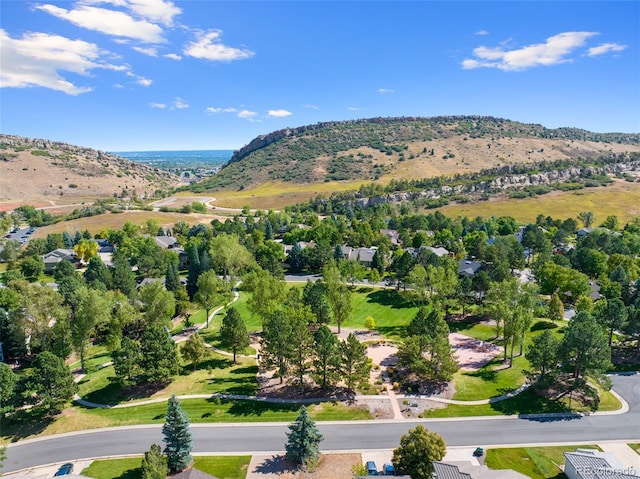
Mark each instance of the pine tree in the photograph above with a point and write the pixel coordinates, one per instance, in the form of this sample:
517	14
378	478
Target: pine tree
234	332
177	436
354	364
303	440
172	277
159	357
327	357
154	464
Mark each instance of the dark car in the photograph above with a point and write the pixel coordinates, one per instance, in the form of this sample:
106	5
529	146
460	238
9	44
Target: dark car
389	470
64	470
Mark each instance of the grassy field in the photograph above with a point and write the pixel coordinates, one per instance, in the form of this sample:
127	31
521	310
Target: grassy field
534	462
635	447
223	467
216	374
621	199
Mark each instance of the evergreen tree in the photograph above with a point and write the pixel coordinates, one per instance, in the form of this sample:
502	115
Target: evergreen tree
303	440
276	343
49	384
268	230
326	360
193	270
338	254
354	362
123	278
172	277
159	356
126	361
194	350
154	464
296	259
177	436
234	332
8	381
67	240
205	261
543	354
556	308
378	262
97	275
584	346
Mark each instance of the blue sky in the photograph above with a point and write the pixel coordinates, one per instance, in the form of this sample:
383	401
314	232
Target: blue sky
153	74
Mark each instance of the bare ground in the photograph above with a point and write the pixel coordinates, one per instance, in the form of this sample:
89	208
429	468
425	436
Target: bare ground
332	466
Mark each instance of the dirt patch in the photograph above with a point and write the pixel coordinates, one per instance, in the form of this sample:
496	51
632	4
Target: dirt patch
331	466
472	353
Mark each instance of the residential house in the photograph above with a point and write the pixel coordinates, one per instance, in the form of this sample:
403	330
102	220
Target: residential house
438	251
192	473
392	235
594	464
468	267
469	470
363	256
52	258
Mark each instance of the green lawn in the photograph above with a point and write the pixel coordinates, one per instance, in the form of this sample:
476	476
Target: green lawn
635	447
535	462
223	467
390	311
217	374
215	410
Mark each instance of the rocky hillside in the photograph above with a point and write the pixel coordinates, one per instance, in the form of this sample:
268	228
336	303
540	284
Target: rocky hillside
406	148
34	169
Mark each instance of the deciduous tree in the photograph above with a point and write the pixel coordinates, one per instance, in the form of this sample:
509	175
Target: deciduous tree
233	332
418	449
212	291
194	350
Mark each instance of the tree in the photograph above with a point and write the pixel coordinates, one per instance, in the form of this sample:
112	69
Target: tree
49	384
154	464
177	436
194	350
418	449
32	267
158	303
97	275
126	361
296	258
233	332
314	295
354	364
338	294
584	347
8	381
326	360
556	308
587	218
303	441
93	309
543	354
267	292
301	341
276	343
172	277
86	249
159	357
123	278
228	256
612	315
212	291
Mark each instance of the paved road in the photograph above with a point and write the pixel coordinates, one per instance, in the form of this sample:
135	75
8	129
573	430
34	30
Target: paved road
261	437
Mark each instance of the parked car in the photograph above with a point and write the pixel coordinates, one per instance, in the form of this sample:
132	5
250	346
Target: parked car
372	469
389	470
64	470
479	452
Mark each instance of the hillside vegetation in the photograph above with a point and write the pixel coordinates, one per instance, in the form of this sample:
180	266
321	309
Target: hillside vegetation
382	149
43	170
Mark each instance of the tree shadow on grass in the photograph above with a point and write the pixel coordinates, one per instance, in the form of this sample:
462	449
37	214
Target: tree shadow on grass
528	402
256	408
390	331
109	394
246	370
387	297
135	473
25	423
216	363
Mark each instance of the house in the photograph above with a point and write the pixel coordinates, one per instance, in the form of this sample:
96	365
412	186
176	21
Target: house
438	251
392	235
584	232
104	246
468	268
52	258
166	242
469	470
594	464
192	473
363	256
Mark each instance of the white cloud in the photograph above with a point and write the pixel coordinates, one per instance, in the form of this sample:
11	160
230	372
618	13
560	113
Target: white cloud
208	47
144	81
482	32
313	107
36	60
553	51
246	114
118	85
279	113
605	48
161	106
149	51
353	108
173	56
213	109
180	104
107	21
385	91
155	10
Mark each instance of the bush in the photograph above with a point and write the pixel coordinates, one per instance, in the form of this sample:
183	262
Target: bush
369	323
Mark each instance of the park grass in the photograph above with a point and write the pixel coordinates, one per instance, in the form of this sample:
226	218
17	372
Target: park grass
96	356
635	446
534	462
216	375
223	467
621	199
390	311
